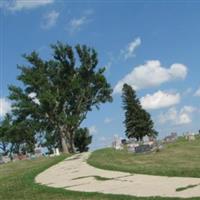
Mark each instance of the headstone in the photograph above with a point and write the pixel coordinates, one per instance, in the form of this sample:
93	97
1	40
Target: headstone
22	157
131	149
146	139
117	143
6	159
172	137
143	148
56	152
191	137
132	145
15	157
38	152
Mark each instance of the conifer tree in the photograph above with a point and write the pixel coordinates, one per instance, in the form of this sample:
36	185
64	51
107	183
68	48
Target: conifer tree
137	121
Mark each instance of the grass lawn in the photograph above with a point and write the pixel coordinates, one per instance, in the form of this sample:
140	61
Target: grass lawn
17	183
181	158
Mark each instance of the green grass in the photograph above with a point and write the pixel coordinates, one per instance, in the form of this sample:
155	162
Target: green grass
181	158
17	183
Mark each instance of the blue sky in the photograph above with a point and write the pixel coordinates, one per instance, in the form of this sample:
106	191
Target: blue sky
152	46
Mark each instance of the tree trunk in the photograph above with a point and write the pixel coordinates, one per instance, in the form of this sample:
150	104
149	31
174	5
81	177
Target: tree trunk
64	142
64	145
67	140
71	143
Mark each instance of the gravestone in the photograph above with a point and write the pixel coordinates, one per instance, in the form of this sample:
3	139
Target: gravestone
117	143
143	148
6	159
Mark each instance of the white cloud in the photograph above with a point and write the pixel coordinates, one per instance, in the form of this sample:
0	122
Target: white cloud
50	19
159	99
178	117
33	97
129	51
188	109
77	23
151	74
93	130
197	93
108	120
5	107
17	5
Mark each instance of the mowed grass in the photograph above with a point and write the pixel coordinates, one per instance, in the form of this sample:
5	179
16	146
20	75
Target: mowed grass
17	183
181	159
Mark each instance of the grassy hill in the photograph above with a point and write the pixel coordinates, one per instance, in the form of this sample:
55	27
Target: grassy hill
17	179
17	183
181	158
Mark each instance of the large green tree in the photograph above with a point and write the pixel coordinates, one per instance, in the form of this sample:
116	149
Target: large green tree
137	121
58	93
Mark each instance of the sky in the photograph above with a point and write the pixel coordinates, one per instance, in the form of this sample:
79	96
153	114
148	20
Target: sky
151	45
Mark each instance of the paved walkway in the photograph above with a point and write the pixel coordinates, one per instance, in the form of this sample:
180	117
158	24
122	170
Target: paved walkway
75	174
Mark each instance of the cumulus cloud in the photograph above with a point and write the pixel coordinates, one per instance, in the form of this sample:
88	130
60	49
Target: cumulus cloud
17	5
33	97
50	19
159	99
93	130
129	51
178	117
197	93
77	23
108	120
151	74
5	107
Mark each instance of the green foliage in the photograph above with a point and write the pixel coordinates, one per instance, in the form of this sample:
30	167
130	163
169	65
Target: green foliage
58	93
82	139
4	134
17	136
137	121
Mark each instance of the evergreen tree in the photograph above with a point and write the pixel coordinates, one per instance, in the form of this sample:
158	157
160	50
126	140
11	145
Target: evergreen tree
137	121
82	139
58	93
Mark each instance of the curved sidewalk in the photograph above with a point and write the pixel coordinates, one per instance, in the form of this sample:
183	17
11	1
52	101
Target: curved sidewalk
75	174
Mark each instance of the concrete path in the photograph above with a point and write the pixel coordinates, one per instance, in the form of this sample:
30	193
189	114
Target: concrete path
75	174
